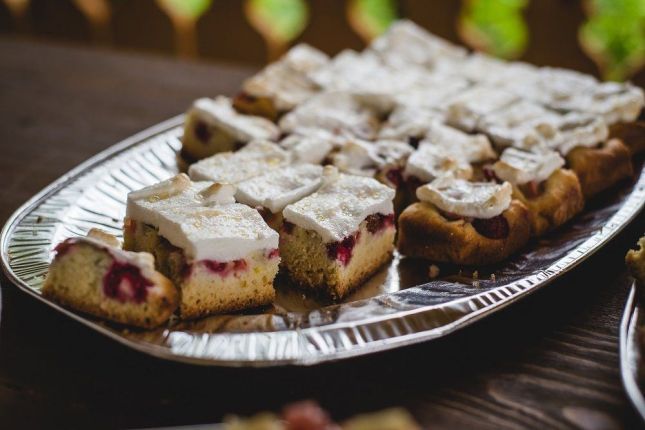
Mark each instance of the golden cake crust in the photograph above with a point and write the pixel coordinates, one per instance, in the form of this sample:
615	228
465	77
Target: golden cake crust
632	134
560	201
425	233
255	105
601	168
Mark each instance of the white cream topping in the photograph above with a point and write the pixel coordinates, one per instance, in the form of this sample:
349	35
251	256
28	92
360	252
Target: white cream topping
256	157
431	161
467	108
430	90
407	121
308	149
578	129
405	44
337	112
482	68
278	188
468	199
473	148
287	81
219	113
519	167
359	157
336	210
220	233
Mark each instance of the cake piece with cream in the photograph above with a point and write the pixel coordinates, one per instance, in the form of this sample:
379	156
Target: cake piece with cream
337	237
551	193
467	108
212	126
336	113
461	222
271	192
282	85
93	274
220	254
311	148
232	167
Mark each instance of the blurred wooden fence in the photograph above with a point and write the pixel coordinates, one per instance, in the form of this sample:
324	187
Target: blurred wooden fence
603	37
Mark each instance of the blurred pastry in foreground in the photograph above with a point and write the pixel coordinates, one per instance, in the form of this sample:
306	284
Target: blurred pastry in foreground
94	275
635	260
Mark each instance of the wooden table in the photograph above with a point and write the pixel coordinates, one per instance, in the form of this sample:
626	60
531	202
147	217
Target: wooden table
550	361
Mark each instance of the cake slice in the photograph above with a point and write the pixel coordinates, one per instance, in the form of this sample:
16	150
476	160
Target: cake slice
93	274
552	194
232	167
212	126
337	113
461	222
337	237
282	85
271	192
310	148
221	255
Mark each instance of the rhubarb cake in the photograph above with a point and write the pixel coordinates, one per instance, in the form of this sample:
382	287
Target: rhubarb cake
337	113
337	237
461	222
93	274
212	126
232	167
552	194
282	85
221	255
271	192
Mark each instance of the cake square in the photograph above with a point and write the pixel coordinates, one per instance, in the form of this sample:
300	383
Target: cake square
213	126
337	237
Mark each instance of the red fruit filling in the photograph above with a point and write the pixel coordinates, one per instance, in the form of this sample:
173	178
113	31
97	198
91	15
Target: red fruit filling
202	131
272	253
287	227
532	189
342	251
224	268
124	282
489	174
379	222
492	228
306	415
395	176
64	247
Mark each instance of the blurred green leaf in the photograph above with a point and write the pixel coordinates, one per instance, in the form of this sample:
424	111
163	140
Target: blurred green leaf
494	26
614	36
370	18
191	9
281	21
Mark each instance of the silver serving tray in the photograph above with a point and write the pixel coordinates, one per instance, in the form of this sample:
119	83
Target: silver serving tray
398	306
632	336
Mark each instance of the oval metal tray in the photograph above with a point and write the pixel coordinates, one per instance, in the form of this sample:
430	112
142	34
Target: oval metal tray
631	348
398	306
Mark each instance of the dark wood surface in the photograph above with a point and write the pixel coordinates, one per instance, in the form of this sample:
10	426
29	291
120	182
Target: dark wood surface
550	361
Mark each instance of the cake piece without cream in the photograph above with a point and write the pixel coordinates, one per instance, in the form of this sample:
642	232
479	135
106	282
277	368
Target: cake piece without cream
212	126
232	167
220	254
336	238
463	222
94	275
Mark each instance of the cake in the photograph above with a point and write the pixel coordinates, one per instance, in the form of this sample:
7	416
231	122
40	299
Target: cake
220	254
337	237
310	148
461	222
232	167
212	126
336	113
94	275
632	134
271	192
466	109
282	85
552	194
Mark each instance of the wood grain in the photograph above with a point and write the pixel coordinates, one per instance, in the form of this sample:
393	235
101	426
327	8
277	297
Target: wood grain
550	361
